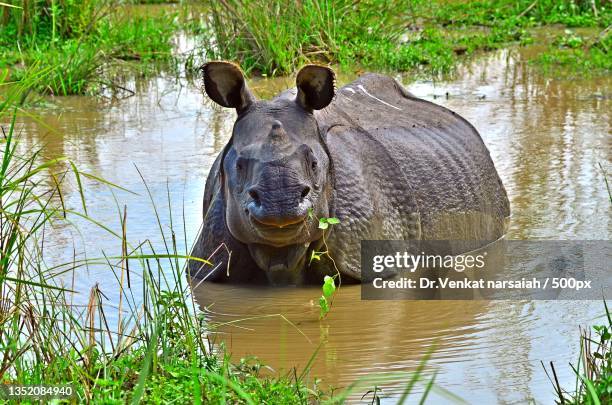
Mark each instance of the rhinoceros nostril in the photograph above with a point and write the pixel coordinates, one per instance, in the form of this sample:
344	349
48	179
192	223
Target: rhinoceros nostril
305	192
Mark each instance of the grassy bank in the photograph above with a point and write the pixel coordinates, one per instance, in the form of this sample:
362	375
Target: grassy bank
572	54
274	37
81	41
94	41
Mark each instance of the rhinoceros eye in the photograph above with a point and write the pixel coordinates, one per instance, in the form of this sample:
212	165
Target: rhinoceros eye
240	165
311	160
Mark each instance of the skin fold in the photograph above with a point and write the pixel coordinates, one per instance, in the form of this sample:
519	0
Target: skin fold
388	165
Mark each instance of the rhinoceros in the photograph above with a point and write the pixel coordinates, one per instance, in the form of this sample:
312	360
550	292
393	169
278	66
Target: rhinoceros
386	164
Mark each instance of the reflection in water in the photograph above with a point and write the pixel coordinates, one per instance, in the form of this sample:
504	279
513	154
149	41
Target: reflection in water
546	137
359	337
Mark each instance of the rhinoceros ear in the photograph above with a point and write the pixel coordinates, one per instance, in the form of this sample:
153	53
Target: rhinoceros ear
316	87
225	85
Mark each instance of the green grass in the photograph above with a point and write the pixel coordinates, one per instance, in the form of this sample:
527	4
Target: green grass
99	42
489	13
87	39
571	54
276	37
593	384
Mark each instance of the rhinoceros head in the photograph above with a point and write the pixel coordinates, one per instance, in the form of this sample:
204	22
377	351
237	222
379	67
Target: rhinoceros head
276	169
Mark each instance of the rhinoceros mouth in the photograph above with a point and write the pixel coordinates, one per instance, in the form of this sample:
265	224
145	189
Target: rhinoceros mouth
276	235
288	226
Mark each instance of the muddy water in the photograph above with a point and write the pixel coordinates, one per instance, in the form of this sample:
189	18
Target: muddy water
546	137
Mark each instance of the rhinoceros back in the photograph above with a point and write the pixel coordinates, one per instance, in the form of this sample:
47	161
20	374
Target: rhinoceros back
442	158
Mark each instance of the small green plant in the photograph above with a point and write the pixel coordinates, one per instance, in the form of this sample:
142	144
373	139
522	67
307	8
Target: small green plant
324	223
593	371
329	282
329	288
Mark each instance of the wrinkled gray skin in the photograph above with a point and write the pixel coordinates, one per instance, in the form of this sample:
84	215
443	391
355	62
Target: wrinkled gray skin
387	164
